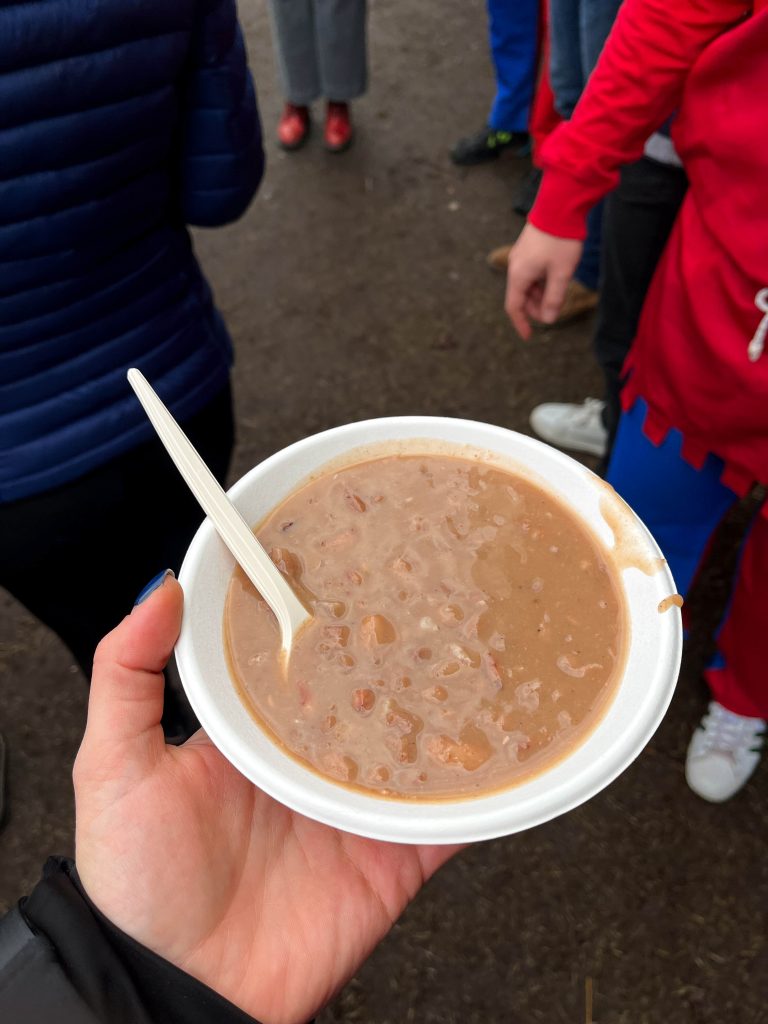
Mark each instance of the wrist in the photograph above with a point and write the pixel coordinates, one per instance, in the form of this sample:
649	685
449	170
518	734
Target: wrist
560	208
111	973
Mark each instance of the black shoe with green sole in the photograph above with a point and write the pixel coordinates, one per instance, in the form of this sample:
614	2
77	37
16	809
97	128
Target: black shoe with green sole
489	144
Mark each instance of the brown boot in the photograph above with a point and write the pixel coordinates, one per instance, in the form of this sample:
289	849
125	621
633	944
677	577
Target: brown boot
579	300
498	259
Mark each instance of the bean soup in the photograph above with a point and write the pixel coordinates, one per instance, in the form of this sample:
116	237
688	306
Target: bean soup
467	630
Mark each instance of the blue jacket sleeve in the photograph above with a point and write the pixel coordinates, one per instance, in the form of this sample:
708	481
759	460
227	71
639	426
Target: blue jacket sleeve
222	155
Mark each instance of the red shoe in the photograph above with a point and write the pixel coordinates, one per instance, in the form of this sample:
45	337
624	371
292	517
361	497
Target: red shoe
338	128
293	127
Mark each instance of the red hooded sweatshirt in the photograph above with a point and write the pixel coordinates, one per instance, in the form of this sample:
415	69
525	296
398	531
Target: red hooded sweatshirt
698	359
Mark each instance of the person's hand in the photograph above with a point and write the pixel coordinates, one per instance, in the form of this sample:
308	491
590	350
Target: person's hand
540	267
182	853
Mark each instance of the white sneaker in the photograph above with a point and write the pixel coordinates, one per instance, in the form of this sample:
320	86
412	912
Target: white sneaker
578	427
724	751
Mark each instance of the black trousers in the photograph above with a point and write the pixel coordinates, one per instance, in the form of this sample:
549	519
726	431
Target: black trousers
638	218
77	556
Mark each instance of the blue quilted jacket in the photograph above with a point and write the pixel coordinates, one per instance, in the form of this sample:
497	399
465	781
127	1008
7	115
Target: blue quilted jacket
121	121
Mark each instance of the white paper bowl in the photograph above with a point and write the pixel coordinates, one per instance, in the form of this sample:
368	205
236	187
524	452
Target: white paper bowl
650	671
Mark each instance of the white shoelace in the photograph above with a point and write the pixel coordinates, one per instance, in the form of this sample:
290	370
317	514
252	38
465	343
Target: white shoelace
591	409
728	732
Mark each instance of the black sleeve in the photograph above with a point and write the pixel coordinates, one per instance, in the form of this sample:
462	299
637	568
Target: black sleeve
63	962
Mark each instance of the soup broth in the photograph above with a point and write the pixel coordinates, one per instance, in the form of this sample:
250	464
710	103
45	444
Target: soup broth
467	631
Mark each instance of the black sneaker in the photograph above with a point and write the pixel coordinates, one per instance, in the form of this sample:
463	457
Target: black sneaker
526	195
488	144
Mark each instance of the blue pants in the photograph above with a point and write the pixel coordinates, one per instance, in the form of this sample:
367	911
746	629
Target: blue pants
577	31
682	507
514	31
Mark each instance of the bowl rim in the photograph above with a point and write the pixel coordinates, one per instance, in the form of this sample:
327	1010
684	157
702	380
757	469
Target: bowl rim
418	820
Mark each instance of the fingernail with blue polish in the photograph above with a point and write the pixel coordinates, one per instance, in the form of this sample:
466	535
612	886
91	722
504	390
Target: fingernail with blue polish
152	586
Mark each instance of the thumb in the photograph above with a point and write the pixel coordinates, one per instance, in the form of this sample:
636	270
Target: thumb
554	295
126	700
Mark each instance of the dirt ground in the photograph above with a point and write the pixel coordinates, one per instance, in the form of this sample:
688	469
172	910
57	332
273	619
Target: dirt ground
355	287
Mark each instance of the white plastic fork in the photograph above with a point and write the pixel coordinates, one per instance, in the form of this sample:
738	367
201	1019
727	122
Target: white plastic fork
227	521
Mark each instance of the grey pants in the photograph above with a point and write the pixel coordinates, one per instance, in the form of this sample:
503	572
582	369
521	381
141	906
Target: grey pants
321	48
